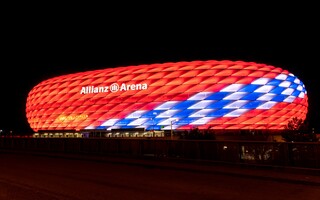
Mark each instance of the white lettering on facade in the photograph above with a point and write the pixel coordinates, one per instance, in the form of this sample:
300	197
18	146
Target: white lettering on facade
113	88
93	89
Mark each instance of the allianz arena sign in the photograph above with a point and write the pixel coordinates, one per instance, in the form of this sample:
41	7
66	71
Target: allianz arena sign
114	87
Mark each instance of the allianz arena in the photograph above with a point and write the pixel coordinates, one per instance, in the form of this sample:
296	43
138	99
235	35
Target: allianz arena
212	94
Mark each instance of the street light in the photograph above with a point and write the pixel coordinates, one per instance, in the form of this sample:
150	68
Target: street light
153	121
174	120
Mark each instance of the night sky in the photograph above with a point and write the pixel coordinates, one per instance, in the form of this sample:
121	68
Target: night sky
34	51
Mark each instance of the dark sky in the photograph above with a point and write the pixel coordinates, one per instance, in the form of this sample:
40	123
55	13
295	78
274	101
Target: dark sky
35	50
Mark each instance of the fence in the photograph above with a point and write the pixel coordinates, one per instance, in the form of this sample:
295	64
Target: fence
298	154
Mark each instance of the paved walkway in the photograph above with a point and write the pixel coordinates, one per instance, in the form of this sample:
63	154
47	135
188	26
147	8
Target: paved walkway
284	174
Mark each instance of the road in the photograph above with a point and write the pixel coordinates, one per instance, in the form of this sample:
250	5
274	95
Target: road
34	177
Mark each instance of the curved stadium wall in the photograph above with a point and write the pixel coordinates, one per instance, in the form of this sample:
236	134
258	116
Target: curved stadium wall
177	95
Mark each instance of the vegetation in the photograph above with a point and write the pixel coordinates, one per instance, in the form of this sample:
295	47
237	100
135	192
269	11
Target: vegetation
297	130
196	134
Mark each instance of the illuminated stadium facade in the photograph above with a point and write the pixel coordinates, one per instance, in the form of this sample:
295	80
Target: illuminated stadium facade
217	95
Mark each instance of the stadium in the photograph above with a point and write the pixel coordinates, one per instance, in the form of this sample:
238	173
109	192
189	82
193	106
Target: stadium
152	99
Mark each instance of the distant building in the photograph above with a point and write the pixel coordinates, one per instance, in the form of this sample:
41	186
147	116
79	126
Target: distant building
216	95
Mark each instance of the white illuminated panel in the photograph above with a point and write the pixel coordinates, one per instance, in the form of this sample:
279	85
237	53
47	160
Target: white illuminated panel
232	88
297	81
138	122
261	81
201	104
288	91
202	121
201	113
167	114
113	127
285	84
300	88
267	105
301	95
89	127
281	77
266	97
236	113
200	96
235	96
264	89
236	104
110	122
167	105
135	114
289	99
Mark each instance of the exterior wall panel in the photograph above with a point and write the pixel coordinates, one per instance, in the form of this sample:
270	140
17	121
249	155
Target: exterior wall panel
182	95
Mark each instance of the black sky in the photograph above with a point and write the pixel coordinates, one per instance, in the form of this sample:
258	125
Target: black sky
34	49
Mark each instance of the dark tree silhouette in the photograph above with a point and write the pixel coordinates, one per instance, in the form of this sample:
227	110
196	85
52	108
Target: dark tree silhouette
297	130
